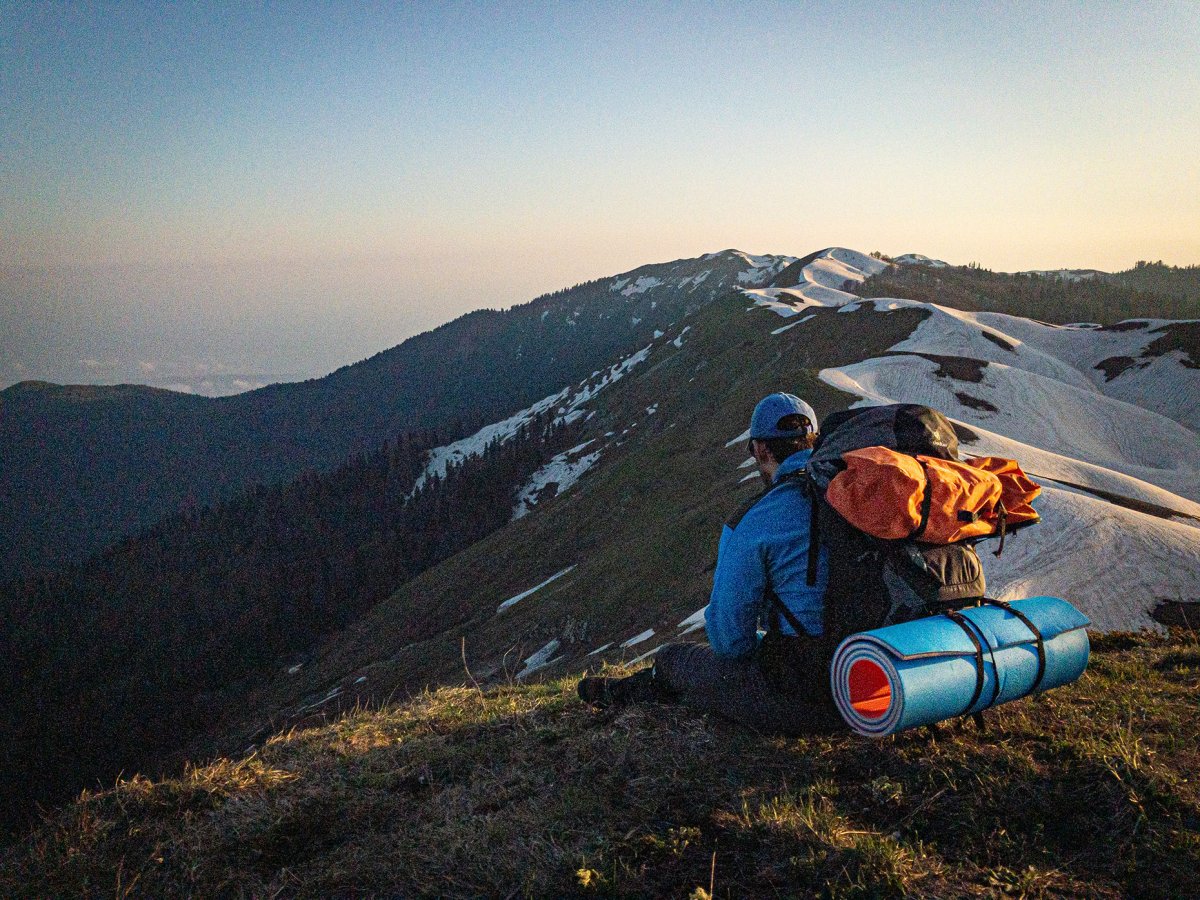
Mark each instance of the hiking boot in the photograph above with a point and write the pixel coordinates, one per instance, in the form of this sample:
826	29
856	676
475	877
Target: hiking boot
639	687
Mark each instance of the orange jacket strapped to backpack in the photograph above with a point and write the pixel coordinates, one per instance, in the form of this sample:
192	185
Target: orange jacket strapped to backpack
894	495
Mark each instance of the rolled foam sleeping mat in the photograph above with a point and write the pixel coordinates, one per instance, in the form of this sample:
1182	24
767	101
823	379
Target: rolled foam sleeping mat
927	670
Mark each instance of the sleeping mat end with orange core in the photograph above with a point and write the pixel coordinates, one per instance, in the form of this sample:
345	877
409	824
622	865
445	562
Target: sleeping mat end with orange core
931	669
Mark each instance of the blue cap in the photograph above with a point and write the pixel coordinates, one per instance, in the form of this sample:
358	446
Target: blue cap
764	424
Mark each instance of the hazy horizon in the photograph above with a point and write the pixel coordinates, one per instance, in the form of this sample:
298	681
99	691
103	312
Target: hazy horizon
197	195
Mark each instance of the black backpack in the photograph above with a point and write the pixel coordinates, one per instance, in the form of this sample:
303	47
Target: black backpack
872	582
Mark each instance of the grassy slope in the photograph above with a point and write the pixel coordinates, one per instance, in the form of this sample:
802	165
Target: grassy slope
641	528
1089	791
523	789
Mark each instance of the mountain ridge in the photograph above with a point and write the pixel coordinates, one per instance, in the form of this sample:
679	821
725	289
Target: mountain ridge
610	562
769	300
80	467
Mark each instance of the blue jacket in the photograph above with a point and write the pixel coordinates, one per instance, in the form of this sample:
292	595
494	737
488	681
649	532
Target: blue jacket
768	545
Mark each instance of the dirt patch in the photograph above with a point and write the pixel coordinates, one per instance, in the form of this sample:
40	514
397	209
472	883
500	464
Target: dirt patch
1181	336
1178	613
960	368
1115	365
975	402
999	341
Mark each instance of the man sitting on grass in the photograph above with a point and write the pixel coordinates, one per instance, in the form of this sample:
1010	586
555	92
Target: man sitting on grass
773	682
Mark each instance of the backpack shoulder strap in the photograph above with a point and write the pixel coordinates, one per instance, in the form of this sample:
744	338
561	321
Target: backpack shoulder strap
736	518
779	608
814	533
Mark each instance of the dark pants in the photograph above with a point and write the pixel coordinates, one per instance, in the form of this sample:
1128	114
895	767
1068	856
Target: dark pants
738	689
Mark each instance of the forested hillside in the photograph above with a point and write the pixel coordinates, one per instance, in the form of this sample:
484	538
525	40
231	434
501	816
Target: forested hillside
1159	278
117	662
1040	297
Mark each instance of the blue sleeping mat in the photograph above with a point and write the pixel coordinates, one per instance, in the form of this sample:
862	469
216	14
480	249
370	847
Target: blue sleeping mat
923	671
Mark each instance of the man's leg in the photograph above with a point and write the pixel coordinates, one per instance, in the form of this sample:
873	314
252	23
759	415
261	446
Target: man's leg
736	689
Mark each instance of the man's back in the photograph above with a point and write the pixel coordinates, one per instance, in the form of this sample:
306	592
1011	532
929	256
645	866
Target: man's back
766	549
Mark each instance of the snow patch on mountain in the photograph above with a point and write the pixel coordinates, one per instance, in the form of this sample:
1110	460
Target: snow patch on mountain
782	328
721	270
442	458
1066	274
770	298
1119	360
1115	564
1039	411
694	622
643	284
762	268
611	376
540	660
822	282
638	638
916	259
740	439
645	656
513	601
1045	465
569	410
554	478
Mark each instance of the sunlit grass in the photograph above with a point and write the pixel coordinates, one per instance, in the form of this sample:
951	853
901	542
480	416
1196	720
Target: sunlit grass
1088	791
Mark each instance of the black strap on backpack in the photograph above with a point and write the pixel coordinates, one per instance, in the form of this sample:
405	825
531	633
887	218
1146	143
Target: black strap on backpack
814	541
778	607
926	505
1037	635
962	622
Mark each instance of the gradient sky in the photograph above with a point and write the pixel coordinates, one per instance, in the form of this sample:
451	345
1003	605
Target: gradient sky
216	197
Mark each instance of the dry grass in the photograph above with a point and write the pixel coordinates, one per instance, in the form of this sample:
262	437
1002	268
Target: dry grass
522	791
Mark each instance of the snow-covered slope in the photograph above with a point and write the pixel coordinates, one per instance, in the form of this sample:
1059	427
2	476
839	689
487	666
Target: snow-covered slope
823	282
1115	564
1037	410
1105	418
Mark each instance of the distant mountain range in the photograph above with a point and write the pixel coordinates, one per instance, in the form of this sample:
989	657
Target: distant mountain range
544	490
1154	277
